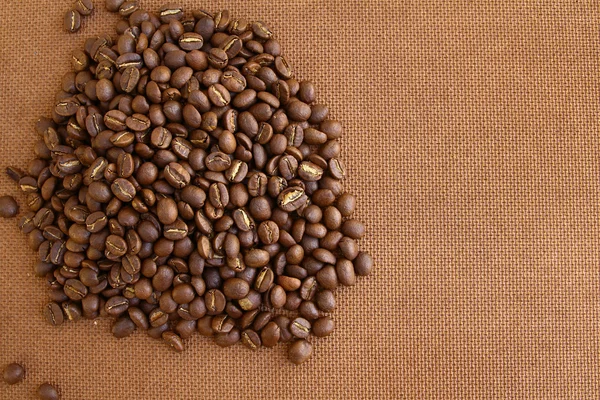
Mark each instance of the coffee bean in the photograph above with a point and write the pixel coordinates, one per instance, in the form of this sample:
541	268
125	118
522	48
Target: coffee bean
323	326
8	207
84	7
291	199
14	373
270	334
363	264
251	339
236	288
325	300
300	328
277	296
72	21
299	351
256	258
47	392
116	305
53	314
214	301
353	228
123	327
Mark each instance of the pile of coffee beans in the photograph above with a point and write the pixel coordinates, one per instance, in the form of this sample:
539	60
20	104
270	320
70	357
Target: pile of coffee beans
188	182
72	19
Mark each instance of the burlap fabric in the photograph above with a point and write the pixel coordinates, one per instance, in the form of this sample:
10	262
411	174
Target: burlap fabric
471	136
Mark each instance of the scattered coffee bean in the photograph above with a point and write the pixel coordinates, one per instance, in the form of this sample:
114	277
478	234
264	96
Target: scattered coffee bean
47	392
72	21
14	373
84	7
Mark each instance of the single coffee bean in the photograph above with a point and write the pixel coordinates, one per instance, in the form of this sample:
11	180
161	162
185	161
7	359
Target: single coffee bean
270	334
14	373
72	21
363	264
236	288
177	175
300	328
84	7
173	340
323	326
214	301
251	339
53	314
47	392
75	290
116	305
325	300
123	327
353	228
277	296
8	207
299	351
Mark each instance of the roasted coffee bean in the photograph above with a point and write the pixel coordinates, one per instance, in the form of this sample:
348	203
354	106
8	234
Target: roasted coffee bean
214	301
72	21
300	328
299	351
47	392
53	314
251	339
75	290
236	288
84	7
123	327
13	373
116	305
8	207
270	334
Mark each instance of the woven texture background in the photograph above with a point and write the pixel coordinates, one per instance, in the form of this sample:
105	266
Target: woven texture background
471	136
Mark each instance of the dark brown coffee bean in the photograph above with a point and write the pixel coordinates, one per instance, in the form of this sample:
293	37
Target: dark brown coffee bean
123	189
256	258
47	392
353	228
75	290
291	199
116	245
270	334
53	314
138	122
261	30
288	283
116	305
236	288
8	207
72	21
215	302
325	300
309	310
363	264
13	373
300	328
251	339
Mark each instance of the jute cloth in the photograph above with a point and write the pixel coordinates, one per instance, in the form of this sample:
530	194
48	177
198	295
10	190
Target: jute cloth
471	139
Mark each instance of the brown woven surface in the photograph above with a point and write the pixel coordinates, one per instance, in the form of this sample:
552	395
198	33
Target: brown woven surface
471	136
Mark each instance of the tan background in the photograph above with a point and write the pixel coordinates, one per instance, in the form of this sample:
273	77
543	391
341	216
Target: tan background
471	135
